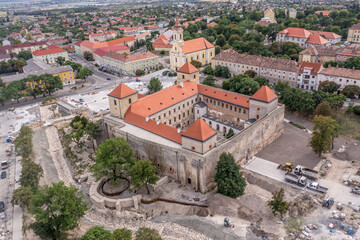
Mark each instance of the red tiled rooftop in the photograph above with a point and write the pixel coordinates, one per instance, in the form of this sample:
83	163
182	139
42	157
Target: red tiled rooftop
188	68
196	45
52	49
317	39
199	130
264	94
315	67
122	91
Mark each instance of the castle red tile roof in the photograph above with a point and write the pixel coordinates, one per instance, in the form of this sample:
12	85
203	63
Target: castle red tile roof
188	68
195	45
199	130
264	94
160	129
52	49
122	91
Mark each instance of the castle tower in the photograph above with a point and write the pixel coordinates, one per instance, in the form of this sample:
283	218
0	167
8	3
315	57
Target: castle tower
262	102
120	100
177	57
188	73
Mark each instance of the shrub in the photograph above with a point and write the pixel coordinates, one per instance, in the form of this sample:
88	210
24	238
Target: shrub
356	110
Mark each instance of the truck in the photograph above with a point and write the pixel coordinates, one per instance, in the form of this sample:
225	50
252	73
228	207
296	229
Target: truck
4	164
316	187
299	180
356	190
306	172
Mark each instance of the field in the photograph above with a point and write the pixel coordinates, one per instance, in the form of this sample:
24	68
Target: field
349	124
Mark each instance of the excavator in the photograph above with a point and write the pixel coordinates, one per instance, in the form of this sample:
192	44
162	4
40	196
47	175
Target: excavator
288	167
227	223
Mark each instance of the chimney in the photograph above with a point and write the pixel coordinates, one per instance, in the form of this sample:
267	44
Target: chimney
181	84
147	119
157	122
178	130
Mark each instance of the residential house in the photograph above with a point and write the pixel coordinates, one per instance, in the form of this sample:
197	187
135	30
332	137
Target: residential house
50	54
319	54
347	52
269	13
324	13
354	33
101	52
341	76
308	75
266	21
87	46
102	37
24	47
292	13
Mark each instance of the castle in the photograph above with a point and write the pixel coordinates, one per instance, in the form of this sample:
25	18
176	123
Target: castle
182	128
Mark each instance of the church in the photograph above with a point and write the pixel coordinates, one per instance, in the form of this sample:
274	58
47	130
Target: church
198	49
184	128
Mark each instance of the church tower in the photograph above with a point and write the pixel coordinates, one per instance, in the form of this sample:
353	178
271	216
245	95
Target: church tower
177	57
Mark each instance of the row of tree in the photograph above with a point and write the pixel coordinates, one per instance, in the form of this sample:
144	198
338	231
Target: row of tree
351	63
12	65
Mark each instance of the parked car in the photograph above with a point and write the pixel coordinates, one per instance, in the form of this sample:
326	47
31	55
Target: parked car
108	79
97	87
81	99
348	100
2	206
137	80
3	174
4	164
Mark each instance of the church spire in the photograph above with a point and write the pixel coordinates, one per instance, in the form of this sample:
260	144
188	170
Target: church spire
177	22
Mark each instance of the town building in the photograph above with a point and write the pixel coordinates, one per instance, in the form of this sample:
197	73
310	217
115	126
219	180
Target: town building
292	12
324	13
101	52
38	67
266	21
102	37
23	47
308	75
181	128
87	46
128	64
269	13
50	54
354	33
341	76
273	69
306	38
347	52
185	51
319	54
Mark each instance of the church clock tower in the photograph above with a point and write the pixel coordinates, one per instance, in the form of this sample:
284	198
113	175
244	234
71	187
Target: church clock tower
177	57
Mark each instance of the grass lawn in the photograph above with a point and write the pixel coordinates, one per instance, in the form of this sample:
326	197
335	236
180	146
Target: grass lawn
349	124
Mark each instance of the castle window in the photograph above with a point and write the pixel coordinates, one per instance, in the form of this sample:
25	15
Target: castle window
244	111
179	107
211	54
159	117
222	104
169	112
258	109
114	102
183	76
210	146
164	114
170	169
230	107
174	119
129	100
179	117
235	109
183	114
174	109
194	76
188	103
197	57
193	148
203	55
169	121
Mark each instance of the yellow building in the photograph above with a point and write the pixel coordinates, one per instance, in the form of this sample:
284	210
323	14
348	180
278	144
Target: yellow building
354	33
198	49
319	54
269	13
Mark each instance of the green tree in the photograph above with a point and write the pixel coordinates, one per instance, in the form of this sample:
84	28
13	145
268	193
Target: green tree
4	96
145	233
19	64
228	177
250	73
351	91
277	203
121	234
324	132
162	52
51	83
323	109
84	73
154	85
15	90
23	142
241	84
196	64
210	81
31	173
57	209
230	133
336	100
22	197
208	70
114	158
221	40
262	81
29	37
96	233
142	173
26	55
60	60
34	86
74	65
88	56
139	72
328	86
356	110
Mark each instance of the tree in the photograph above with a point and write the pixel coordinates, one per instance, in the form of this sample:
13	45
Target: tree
154	85
23	142
51	83
145	233
74	65
328	86
162	52
250	73
228	177
114	158
208	70
241	84
324	132
323	109
142	173
60	60
57	209
29	37
336	101
22	197
26	55
96	233
221	40
81	126
121	234
230	133
356	110
277	203
139	72
196	64
15	90
19	64
210	81
84	73
4	96
262	81
88	56
351	91
31	173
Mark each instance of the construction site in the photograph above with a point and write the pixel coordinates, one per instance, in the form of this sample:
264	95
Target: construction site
322	193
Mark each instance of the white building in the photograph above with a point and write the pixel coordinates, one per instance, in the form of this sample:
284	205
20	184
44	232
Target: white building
341	76
308	75
50	54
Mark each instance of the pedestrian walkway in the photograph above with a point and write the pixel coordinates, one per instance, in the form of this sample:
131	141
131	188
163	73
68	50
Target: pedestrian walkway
17	214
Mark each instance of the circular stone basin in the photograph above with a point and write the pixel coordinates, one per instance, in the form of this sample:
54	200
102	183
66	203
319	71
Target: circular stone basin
111	188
